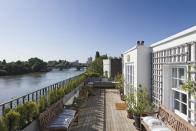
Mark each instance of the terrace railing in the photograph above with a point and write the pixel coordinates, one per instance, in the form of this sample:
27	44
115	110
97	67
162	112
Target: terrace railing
33	96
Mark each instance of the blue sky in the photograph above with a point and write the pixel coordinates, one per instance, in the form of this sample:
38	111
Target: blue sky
75	29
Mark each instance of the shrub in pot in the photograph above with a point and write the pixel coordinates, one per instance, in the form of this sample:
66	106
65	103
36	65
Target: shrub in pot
130	102
119	80
12	119
141	101
52	97
189	86
23	120
60	93
31	110
2	125
42	104
6	110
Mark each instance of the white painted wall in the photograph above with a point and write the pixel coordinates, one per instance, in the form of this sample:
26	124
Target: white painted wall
144	67
140	58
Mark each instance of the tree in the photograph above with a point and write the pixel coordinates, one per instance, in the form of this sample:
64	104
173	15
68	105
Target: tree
104	56
97	55
37	64
96	66
4	62
119	82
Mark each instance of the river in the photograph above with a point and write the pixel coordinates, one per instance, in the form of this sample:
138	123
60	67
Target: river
15	86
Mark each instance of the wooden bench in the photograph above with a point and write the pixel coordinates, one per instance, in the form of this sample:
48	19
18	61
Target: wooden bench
54	112
171	120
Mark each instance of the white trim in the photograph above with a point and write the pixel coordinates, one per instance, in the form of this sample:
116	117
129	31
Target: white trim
185	117
133	48
176	36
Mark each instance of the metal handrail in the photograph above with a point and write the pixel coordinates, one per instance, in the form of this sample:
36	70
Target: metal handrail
33	96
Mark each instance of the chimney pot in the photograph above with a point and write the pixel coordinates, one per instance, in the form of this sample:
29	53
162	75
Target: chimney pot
142	42
138	42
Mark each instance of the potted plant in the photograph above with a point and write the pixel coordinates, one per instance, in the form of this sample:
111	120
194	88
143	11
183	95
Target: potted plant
120	85
141	101
31	110
189	86
43	103
12	119
2	125
130	102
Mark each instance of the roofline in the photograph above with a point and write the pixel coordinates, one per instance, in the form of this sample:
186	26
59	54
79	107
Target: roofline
133	48
173	37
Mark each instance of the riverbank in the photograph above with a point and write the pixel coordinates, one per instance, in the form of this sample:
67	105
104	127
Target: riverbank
15	86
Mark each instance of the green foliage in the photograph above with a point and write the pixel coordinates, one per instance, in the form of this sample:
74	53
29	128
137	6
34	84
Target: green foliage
2	125
91	74
37	65
55	95
141	101
96	66
22	67
12	119
31	110
119	82
130	99
28	111
189	86
42	104
6	110
23	120
24	114
52	97
60	93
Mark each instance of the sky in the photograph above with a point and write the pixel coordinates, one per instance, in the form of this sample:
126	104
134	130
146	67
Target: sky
76	29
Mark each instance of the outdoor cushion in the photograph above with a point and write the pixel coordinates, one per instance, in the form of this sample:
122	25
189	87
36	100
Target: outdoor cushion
63	120
146	118
160	128
154	122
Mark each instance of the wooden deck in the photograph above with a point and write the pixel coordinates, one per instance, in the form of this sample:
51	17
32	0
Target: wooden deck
100	114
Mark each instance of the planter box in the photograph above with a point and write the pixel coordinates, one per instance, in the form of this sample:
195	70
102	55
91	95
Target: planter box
68	98
33	126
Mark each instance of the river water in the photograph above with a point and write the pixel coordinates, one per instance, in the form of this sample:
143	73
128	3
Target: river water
15	86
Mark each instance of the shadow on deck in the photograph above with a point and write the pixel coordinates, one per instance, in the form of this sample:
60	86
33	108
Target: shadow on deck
100	114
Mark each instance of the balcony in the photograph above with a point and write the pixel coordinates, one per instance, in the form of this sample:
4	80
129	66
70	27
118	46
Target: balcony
98	111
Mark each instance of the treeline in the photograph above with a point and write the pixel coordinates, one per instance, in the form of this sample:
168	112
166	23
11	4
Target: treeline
22	67
96	67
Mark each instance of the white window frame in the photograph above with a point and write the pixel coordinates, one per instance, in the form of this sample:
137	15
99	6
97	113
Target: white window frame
129	69
174	89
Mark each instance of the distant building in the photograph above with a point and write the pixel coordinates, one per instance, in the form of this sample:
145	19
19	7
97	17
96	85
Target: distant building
76	61
111	67
90	59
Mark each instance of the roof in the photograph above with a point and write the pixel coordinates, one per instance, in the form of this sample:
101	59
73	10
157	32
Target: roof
173	37
133	48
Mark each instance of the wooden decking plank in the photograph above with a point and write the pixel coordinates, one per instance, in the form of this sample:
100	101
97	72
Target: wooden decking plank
100	114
